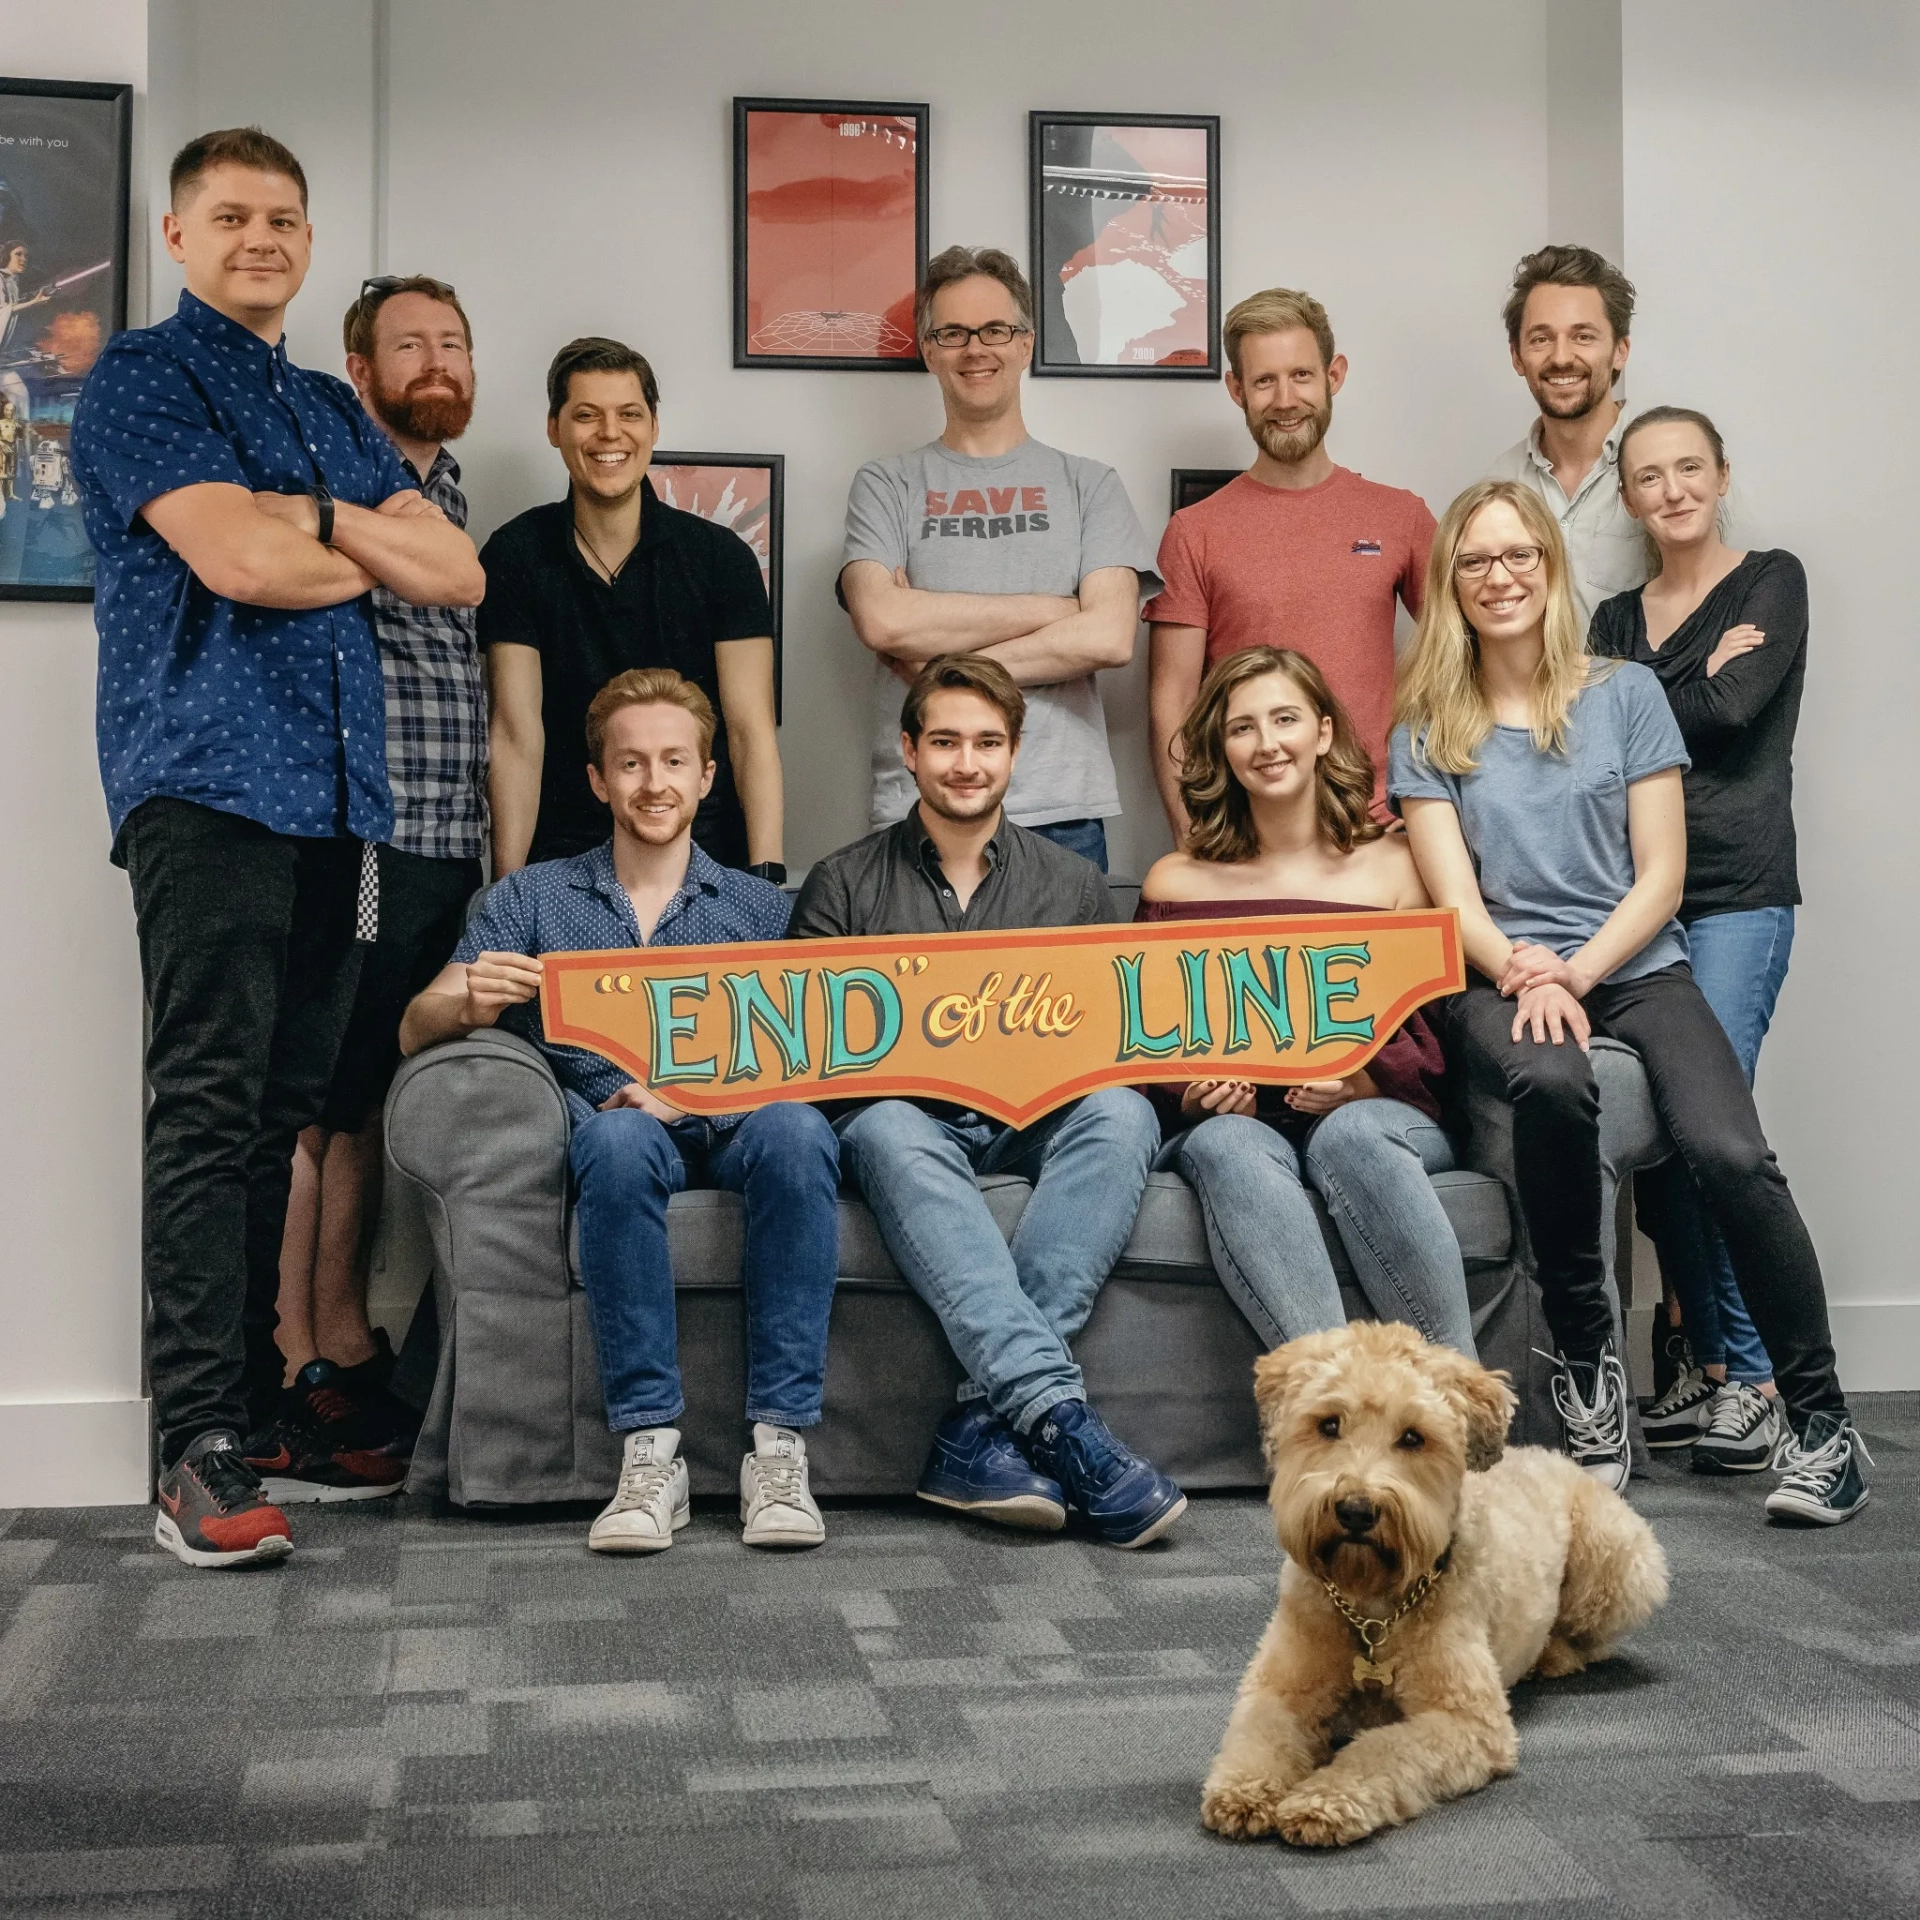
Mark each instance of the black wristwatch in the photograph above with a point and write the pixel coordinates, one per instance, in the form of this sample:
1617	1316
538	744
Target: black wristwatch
772	870
324	501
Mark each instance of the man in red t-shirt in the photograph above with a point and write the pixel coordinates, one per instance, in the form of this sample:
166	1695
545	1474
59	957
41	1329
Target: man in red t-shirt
1295	552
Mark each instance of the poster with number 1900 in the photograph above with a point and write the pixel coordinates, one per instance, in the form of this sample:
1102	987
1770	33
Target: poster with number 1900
64	152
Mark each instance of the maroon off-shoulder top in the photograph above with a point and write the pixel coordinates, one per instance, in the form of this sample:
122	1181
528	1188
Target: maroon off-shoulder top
1409	1067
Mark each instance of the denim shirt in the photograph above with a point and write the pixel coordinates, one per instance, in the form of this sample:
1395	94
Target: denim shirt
273	713
579	906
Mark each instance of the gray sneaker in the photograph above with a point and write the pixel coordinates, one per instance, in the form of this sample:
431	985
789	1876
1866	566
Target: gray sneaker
1679	1417
1744	1431
1592	1399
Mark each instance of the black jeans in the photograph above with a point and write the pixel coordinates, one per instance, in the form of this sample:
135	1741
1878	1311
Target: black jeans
248	956
1702	1097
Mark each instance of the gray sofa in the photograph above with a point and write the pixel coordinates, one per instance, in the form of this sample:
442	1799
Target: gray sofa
477	1139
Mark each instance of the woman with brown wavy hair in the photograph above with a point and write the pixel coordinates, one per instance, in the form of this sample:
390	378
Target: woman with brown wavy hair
1276	787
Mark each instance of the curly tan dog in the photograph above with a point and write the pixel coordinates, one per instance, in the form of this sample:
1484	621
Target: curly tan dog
1427	1570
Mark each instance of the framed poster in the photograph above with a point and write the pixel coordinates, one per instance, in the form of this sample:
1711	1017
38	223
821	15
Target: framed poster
1124	212
65	150
744	491
1191	485
829	233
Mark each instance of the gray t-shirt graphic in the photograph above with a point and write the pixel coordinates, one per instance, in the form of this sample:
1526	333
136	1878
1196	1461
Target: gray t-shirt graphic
1031	521
1548	831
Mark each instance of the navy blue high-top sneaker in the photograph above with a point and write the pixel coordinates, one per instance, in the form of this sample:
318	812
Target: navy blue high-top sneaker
976	1466
1122	1498
1820	1479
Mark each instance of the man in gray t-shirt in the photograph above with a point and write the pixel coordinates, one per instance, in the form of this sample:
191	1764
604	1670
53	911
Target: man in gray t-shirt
986	541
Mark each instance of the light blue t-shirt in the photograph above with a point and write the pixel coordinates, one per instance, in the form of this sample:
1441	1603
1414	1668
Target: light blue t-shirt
1548	831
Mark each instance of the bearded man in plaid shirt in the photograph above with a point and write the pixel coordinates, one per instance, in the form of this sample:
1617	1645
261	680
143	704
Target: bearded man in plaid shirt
342	1433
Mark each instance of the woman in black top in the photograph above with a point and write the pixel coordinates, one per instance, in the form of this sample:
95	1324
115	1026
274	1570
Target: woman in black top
1726	633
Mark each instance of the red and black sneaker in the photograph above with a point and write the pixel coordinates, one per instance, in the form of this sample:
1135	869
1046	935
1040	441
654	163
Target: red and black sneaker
213	1512
319	1449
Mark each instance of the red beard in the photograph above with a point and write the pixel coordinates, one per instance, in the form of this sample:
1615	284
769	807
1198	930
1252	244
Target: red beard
417	415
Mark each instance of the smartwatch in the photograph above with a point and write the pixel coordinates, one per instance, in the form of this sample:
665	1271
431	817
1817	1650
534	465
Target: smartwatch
772	870
324	501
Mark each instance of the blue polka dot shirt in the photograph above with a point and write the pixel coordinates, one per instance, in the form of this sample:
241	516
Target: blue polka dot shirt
579	906
275	714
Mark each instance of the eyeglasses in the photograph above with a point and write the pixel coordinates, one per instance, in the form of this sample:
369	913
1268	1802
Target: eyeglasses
996	333
1516	560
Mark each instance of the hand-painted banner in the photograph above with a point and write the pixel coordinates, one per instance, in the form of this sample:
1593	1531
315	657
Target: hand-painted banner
1012	1024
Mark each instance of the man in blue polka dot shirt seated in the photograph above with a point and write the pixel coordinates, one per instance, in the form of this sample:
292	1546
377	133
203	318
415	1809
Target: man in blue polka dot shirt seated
650	759
242	510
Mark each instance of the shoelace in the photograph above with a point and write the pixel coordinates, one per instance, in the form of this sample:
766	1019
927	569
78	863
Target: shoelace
1600	1428
1737	1410
229	1481
641	1482
1815	1470
783	1477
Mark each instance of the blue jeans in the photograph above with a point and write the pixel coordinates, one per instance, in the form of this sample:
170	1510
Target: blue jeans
1369	1162
626	1167
1739	961
1008	1310
1088	838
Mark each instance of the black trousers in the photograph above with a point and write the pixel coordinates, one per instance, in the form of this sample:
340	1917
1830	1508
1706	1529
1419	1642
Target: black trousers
248	956
1703	1098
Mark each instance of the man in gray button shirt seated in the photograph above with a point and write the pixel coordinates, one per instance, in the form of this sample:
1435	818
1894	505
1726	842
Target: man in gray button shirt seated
985	541
1023	1448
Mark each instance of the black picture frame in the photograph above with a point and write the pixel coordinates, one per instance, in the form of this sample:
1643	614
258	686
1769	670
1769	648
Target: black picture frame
1191	485
1056	354
745	352
28	214
773	566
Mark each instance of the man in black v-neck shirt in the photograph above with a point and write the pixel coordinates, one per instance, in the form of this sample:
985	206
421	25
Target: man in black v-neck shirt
608	579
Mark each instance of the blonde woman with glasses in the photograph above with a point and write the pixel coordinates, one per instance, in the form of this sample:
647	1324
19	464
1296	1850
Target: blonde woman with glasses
1542	794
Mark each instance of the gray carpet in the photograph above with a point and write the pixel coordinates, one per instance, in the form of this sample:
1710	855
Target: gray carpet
429	1713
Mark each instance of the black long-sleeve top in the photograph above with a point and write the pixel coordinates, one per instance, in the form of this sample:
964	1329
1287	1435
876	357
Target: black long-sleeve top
1738	726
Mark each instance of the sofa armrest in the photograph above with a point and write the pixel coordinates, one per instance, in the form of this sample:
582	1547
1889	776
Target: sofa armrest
480	1128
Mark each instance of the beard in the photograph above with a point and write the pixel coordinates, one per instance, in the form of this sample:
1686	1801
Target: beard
1571	406
963	804
423	415
1290	445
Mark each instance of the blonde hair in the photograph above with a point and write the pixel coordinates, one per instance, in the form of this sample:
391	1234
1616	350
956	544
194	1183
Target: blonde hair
1440	700
1276	310
1218	810
648	687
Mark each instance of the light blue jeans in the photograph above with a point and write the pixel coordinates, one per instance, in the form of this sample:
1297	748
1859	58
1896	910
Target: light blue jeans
1369	1162
1739	962
1008	1310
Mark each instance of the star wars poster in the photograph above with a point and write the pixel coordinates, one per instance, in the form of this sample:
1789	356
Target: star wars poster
64	148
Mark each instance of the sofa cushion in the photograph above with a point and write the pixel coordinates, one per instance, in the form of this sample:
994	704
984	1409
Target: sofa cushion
1170	1239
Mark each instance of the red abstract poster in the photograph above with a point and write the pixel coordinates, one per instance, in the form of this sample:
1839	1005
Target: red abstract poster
1126	226
830	232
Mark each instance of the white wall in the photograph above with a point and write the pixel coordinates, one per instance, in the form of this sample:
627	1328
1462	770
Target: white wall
1771	151
566	167
73	1425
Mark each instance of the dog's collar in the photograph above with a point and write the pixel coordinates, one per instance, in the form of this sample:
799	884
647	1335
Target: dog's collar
1371	1631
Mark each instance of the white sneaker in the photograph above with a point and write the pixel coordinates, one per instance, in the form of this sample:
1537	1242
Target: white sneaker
1593	1408
649	1506
776	1504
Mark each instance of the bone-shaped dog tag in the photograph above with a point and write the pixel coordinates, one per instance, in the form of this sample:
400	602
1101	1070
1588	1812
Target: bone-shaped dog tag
1372	1673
